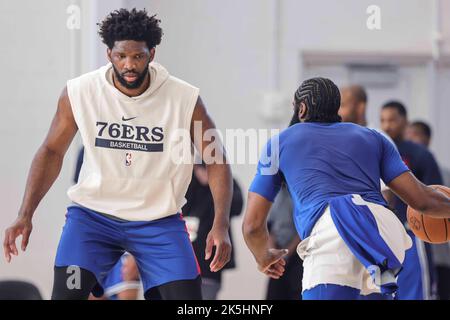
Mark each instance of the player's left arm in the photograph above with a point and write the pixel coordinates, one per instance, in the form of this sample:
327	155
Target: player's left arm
254	228
221	184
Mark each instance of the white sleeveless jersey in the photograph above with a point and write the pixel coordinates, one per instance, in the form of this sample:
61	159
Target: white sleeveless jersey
128	171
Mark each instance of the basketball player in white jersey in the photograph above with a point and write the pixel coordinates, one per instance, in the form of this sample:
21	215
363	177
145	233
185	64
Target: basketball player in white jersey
130	190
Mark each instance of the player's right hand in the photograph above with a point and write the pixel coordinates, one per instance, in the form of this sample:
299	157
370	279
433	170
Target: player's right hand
22	226
273	263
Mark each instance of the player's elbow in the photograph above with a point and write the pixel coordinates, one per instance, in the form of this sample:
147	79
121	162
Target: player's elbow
49	151
251	229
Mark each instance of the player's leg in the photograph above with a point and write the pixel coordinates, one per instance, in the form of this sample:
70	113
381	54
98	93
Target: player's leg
414	281
87	250
289	286
331	292
210	288
178	290
165	258
71	283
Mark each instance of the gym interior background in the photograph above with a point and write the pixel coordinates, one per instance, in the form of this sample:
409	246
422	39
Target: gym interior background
246	56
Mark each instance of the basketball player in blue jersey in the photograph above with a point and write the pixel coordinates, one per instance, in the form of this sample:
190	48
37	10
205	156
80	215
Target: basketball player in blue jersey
130	190
352	244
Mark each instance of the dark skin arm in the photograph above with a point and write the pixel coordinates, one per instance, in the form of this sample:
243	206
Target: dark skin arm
221	184
44	170
421	197
270	261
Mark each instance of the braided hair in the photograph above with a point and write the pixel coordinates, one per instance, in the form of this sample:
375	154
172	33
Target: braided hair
322	99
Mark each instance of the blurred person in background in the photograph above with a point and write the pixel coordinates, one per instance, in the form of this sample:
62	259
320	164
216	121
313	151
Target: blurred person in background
353	105
413	285
198	213
420	132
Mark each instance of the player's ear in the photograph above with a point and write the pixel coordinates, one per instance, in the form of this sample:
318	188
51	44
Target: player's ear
108	54
303	110
152	54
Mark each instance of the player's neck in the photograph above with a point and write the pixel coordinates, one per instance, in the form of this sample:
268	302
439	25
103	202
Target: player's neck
132	92
362	122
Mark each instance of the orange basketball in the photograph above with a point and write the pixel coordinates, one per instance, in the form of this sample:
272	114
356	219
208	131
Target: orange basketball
429	229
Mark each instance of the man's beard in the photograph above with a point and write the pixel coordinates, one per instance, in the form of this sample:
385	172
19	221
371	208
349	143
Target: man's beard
131	85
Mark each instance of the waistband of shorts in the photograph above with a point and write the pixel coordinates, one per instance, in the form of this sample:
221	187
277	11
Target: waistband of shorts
114	219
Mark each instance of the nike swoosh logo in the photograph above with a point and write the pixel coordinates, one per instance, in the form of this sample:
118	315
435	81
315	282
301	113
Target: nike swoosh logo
123	119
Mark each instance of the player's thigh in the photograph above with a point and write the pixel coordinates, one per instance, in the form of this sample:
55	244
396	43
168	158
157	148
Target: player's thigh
87	243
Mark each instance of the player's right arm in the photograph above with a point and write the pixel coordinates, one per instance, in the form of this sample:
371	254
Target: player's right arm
421	197
44	170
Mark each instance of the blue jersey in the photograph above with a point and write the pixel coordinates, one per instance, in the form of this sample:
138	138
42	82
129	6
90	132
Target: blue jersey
321	161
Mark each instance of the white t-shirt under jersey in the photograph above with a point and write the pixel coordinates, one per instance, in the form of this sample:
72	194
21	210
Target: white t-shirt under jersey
128	169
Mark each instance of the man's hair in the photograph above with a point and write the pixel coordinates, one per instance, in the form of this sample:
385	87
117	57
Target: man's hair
322	99
135	25
359	93
424	127
397	106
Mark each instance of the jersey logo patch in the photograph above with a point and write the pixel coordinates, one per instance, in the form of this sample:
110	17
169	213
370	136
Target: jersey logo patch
128	159
129	119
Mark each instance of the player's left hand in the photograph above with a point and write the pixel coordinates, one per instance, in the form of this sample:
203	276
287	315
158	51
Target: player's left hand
273	263
219	238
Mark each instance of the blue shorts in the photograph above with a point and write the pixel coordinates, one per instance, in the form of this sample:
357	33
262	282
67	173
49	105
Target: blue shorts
337	292
331	292
417	281
93	242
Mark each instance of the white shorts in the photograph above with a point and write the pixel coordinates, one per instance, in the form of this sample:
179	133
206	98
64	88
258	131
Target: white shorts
328	260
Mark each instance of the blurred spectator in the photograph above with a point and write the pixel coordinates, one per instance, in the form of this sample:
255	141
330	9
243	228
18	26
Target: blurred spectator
413	285
199	215
353	105
420	132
